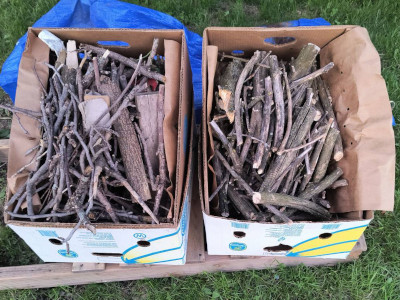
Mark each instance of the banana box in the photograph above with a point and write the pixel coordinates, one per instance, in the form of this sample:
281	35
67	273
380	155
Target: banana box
163	243
362	108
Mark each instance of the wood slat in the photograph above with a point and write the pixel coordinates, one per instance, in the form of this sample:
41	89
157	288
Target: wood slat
55	274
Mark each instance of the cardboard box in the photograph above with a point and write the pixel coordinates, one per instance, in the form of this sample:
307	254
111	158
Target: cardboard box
361	104
113	243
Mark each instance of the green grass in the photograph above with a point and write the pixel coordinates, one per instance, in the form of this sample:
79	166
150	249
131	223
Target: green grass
376	275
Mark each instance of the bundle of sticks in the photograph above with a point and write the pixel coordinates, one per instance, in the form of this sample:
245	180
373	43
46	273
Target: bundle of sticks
275	138
93	162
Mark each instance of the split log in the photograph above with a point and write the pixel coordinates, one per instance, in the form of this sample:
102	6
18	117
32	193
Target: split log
226	87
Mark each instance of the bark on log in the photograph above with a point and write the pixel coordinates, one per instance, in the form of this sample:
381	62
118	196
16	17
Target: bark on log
256	114
314	189
128	143
304	61
276	76
226	87
325	156
293	202
326	101
266	118
238	90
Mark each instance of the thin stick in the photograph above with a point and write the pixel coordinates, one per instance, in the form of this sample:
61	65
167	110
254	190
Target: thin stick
289	114
246	70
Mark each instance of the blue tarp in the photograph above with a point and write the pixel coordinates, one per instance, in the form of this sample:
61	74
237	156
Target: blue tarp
116	14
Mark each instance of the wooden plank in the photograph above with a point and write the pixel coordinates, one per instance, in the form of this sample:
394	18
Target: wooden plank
56	274
87	267
4	147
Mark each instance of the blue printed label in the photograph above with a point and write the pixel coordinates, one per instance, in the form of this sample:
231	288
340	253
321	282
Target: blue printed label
235	246
51	233
70	254
330	226
240	225
139	235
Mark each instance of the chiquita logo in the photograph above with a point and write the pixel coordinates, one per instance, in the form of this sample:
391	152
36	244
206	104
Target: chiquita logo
235	246
70	254
139	235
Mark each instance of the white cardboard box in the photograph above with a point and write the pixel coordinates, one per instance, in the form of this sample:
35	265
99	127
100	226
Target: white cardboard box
112	245
306	239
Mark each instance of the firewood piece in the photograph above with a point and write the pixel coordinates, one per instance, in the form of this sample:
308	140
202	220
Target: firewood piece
325	156
281	162
276	76
161	153
293	202
153	52
289	115
256	112
103	199
126	61
299	119
339	183
244	206
123	81
267	152
128	142
312	75
314	189
326	101
301	66
147	159
226	87
228	146
223	198
315	156
234	174
146	105
246	70
265	123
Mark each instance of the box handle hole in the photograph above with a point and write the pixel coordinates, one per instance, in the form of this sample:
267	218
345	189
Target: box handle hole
113	43
237	52
325	235
239	234
107	254
280	247
55	242
143	243
280	40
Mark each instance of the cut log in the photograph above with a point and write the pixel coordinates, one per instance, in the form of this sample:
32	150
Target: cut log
226	87
301	66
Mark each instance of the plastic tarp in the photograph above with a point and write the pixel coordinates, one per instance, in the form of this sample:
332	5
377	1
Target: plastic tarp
116	14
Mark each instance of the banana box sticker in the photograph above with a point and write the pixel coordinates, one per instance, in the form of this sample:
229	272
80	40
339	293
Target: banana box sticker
300	239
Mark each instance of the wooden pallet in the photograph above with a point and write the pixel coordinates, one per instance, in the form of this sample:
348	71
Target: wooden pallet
198	261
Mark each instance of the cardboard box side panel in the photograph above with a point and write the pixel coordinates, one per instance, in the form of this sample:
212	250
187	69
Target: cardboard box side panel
35	55
302	239
184	126
171	110
363	111
249	39
203	176
139	40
